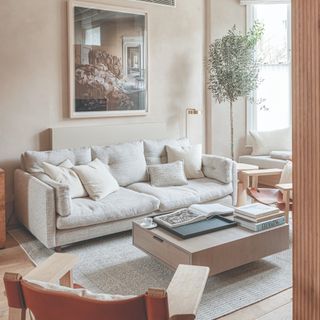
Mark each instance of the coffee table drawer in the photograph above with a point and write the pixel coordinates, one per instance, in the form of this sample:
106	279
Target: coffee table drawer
159	248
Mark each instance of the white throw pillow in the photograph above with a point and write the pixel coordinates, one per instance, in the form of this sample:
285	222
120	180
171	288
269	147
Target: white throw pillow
81	292
265	142
97	179
191	156
65	175
167	174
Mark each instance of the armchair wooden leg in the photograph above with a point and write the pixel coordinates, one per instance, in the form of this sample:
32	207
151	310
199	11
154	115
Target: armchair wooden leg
286	200
67	280
255	182
17	314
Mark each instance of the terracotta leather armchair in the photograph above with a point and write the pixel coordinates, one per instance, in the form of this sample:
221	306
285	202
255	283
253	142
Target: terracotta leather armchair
179	301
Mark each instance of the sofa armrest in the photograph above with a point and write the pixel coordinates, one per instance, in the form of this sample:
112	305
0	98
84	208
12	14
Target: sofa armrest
218	168
35	207
221	169
62	194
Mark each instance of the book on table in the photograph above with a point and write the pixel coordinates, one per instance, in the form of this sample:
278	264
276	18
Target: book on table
258	217
261	225
256	210
194	213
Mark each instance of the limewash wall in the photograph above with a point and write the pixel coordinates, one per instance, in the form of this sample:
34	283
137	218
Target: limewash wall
34	64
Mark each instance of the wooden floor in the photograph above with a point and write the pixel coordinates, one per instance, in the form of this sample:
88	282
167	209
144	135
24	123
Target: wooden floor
278	307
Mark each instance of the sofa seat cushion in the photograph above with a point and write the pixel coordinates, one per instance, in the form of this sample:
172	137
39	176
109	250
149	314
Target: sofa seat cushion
171	198
196	191
122	204
209	189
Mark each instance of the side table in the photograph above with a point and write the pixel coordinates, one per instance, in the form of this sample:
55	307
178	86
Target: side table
2	210
243	182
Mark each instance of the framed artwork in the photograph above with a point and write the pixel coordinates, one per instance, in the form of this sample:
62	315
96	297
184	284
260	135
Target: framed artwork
107	61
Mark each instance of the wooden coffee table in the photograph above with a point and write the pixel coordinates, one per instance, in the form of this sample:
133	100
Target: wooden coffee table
220	251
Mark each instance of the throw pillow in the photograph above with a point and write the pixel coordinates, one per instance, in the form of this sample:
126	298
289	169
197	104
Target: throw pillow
168	174
65	175
265	142
96	179
191	157
155	150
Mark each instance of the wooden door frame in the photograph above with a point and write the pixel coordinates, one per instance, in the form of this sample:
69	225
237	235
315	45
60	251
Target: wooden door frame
306	159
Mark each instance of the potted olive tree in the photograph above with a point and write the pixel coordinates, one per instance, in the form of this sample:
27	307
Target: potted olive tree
234	68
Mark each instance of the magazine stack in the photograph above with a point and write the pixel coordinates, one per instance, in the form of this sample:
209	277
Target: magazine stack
259	217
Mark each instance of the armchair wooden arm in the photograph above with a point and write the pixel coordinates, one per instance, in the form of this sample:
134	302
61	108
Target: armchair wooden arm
285	186
185	291
255	174
57	268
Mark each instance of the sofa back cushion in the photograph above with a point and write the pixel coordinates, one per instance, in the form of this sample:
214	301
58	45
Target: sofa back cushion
126	161
263	143
32	160
155	150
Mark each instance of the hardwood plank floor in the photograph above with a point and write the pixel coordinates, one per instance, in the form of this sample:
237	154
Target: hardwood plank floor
12	259
278	307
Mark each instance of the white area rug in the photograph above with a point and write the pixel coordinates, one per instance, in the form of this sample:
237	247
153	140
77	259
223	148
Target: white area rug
113	265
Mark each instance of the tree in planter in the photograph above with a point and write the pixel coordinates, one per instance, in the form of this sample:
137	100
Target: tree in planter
234	68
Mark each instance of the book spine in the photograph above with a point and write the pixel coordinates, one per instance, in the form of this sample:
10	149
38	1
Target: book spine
271	224
261	226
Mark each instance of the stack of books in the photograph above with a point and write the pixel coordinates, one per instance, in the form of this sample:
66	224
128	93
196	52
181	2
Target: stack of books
258	217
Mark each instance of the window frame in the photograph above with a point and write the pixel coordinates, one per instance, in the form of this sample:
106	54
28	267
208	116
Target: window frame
251	117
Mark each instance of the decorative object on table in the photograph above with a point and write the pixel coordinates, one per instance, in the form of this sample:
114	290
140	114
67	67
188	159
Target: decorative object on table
148	223
2	210
191	215
108	64
259	217
234	68
201	227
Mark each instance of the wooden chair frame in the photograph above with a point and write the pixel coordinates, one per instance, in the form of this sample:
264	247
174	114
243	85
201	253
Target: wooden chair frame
184	291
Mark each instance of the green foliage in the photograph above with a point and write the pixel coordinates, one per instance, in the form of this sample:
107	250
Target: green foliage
233	66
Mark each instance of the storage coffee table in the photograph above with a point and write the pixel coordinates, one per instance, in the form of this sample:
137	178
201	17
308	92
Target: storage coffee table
220	251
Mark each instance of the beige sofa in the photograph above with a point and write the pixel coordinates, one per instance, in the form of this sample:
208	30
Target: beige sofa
45	208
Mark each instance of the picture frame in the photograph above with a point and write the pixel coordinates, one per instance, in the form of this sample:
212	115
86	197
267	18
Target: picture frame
108	60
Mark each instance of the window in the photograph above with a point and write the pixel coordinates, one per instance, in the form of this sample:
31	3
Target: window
271	108
92	37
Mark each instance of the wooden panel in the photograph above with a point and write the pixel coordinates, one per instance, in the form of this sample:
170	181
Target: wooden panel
306	159
2	210
72	137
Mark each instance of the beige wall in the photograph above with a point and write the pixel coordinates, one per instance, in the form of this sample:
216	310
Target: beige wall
223	15
33	77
